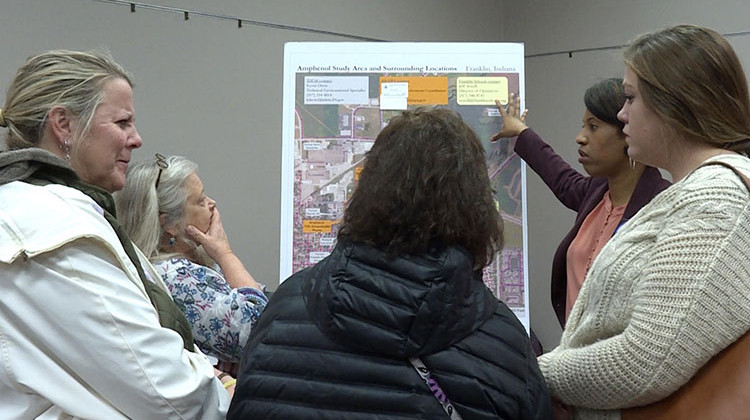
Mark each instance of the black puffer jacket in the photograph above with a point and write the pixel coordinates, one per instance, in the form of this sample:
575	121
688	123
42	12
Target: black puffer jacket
335	339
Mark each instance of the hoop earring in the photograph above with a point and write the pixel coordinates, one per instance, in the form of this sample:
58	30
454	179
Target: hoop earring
632	163
65	147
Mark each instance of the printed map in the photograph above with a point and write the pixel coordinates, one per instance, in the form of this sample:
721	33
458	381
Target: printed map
337	117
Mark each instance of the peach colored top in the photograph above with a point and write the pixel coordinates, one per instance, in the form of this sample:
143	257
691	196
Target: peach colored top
594	233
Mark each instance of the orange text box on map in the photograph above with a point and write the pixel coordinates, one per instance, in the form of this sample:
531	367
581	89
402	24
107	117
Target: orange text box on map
481	90
317	226
423	90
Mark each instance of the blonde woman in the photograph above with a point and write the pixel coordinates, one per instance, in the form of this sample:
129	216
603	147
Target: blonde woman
87	328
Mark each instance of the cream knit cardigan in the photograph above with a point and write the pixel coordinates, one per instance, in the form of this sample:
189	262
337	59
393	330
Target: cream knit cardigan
669	291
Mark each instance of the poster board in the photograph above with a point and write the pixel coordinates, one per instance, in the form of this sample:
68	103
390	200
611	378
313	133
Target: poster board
337	98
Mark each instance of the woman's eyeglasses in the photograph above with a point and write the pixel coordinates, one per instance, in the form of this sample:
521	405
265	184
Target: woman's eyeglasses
161	162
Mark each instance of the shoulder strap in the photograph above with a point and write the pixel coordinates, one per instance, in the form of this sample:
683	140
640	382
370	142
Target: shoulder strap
742	176
437	391
720	389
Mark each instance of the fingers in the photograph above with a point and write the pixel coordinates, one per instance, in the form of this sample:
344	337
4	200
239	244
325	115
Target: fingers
514	121
501	108
515	103
505	110
215	227
513	107
194	234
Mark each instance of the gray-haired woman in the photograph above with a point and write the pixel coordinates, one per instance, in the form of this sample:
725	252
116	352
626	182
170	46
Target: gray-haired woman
167	213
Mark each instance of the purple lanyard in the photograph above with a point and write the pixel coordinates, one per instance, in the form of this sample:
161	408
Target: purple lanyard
435	388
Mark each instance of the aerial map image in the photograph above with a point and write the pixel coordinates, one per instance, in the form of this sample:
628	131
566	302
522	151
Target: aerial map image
337	117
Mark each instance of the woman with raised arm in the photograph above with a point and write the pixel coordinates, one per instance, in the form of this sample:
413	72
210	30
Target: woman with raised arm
612	192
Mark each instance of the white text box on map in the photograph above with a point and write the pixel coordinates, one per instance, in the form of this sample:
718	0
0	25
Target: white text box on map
317	256
328	90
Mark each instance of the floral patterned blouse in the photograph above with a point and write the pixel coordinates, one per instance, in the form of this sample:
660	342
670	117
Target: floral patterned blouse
221	317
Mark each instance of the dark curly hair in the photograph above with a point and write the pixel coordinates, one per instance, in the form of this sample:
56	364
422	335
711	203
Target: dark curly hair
425	182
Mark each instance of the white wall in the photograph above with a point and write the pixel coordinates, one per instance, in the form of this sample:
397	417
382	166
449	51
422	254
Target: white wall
212	92
555	85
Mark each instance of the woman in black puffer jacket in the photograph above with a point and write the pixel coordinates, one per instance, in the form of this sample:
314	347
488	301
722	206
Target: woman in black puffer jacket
403	286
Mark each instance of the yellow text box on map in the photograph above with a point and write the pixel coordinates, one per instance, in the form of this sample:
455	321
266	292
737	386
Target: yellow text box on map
481	90
431	90
317	226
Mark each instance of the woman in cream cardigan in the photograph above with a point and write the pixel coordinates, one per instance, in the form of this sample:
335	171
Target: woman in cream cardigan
672	287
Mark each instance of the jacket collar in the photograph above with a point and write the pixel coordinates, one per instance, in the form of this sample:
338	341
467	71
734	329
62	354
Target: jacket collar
38	166
20	164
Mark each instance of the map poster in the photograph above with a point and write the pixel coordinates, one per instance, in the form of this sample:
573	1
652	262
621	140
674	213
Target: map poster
337	98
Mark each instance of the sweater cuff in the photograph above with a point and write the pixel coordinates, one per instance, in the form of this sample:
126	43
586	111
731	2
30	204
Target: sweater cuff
545	363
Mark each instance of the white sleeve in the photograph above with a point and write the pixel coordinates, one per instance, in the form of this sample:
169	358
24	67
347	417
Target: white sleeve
87	339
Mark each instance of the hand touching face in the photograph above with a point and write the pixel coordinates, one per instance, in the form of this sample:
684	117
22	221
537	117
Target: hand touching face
198	207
